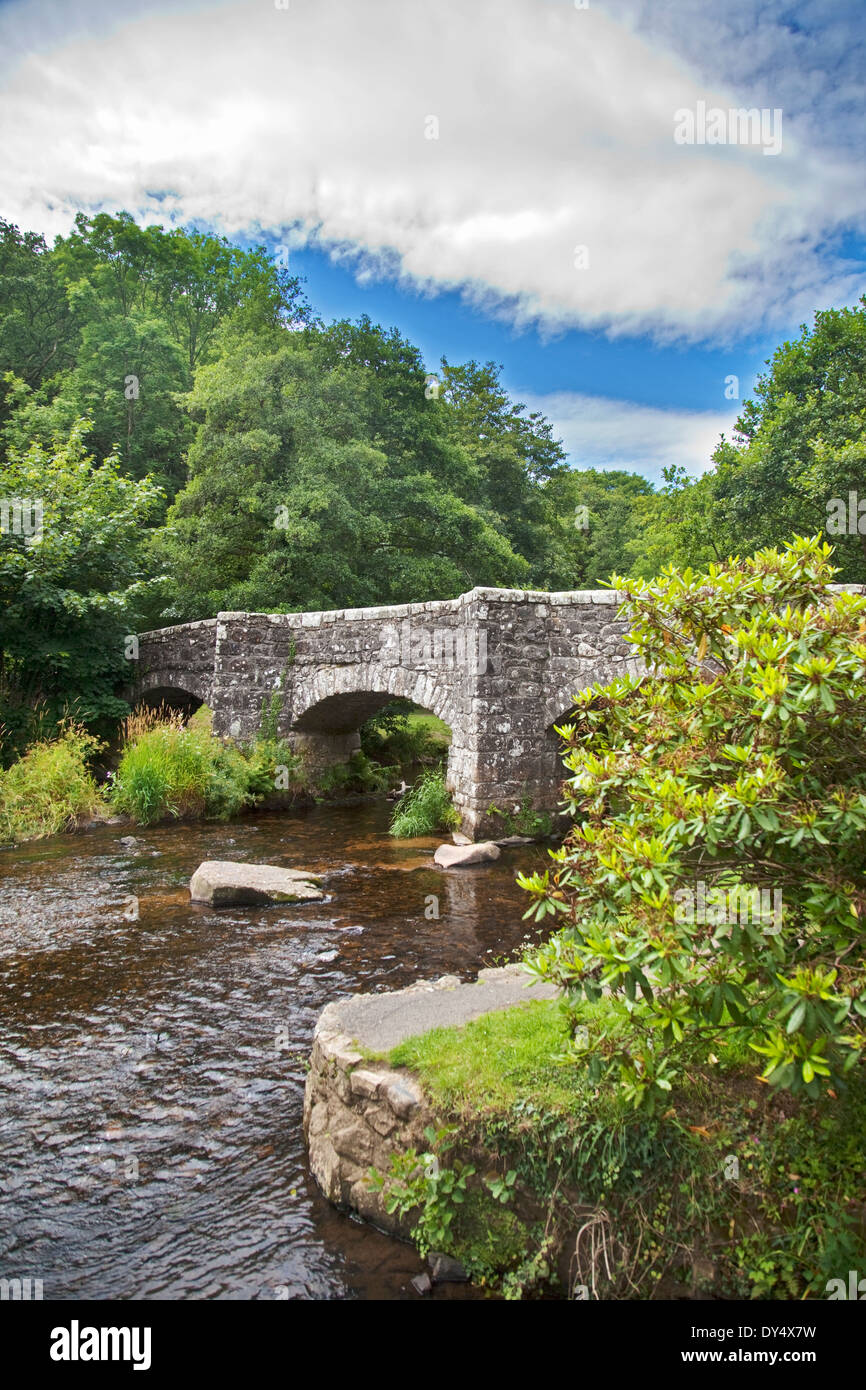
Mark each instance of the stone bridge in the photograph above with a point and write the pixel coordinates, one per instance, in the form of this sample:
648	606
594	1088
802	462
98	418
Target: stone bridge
499	666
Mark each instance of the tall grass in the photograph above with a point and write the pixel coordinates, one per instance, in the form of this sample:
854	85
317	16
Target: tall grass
425	807
171	770
49	789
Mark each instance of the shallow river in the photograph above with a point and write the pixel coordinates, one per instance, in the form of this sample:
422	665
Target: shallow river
152	1053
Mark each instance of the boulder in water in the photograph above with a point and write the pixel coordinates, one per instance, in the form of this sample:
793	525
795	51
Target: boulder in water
457	856
222	883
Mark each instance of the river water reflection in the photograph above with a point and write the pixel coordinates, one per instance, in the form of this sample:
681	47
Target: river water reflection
152	1066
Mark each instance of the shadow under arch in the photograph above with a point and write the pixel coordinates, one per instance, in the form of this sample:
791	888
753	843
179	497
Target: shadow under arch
328	712
175	690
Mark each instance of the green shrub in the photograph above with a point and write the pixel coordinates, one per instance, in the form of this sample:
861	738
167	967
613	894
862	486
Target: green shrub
424	808
49	789
405	736
738	762
170	770
272	767
358	775
766	1187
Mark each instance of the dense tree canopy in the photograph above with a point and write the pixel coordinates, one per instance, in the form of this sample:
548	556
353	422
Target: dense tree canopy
800	444
292	464
71	586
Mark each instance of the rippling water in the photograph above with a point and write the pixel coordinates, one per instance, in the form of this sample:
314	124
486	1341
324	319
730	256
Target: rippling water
152	1067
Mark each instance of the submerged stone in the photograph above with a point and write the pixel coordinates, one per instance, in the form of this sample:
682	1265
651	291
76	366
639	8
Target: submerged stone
444	1269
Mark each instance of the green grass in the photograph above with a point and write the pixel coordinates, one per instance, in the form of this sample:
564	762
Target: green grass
49	789
793	1218
425	808
436	730
494	1060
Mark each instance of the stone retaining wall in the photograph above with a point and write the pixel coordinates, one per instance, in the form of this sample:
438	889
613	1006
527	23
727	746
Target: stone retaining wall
357	1115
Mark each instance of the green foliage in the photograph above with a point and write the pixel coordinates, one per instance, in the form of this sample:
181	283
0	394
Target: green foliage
424	808
272	767
454	1214
50	788
736	761
596	521
798	444
68	600
417	1182
317	482
523	819
502	1188
633	1196
174	771
37	328
358	775
401	735
112	324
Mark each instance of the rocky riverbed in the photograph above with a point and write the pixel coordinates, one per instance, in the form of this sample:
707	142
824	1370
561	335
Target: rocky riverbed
154	1052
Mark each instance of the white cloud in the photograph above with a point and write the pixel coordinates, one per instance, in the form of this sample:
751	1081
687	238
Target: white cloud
601	432
555	130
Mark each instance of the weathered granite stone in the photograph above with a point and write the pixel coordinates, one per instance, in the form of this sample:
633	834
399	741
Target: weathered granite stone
497	665
221	883
358	1114
365	1083
403	1095
381	1119
459	856
444	1269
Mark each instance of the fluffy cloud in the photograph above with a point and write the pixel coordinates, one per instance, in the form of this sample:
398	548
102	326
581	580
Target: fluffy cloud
599	432
555	131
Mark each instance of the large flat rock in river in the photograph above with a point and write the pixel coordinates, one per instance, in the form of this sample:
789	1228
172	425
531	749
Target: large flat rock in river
379	1022
222	883
456	856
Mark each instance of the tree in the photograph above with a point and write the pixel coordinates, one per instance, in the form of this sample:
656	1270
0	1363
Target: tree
311	487
800	444
734	766
38	333
596	520
71	581
140	309
508	456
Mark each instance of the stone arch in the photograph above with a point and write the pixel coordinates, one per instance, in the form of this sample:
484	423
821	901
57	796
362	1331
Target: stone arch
330	707
340	698
178	689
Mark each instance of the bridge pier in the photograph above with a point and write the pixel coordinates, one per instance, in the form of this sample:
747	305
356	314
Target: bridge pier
321	751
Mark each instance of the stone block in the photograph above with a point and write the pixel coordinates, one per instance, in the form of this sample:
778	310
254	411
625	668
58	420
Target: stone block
404	1096
365	1083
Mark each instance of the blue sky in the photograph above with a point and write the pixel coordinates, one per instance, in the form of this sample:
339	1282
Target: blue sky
498	179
